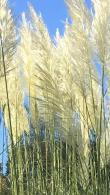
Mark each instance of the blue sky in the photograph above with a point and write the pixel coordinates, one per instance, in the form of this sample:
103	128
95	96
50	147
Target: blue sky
54	12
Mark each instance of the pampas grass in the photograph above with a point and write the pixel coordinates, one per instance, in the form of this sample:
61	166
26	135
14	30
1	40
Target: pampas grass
54	95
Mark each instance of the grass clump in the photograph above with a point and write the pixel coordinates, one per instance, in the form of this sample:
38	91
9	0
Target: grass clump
54	99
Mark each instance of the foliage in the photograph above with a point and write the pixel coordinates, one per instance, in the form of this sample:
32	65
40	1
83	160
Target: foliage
55	96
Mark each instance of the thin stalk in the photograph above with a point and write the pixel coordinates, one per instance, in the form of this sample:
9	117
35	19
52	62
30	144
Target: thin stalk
9	114
100	128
